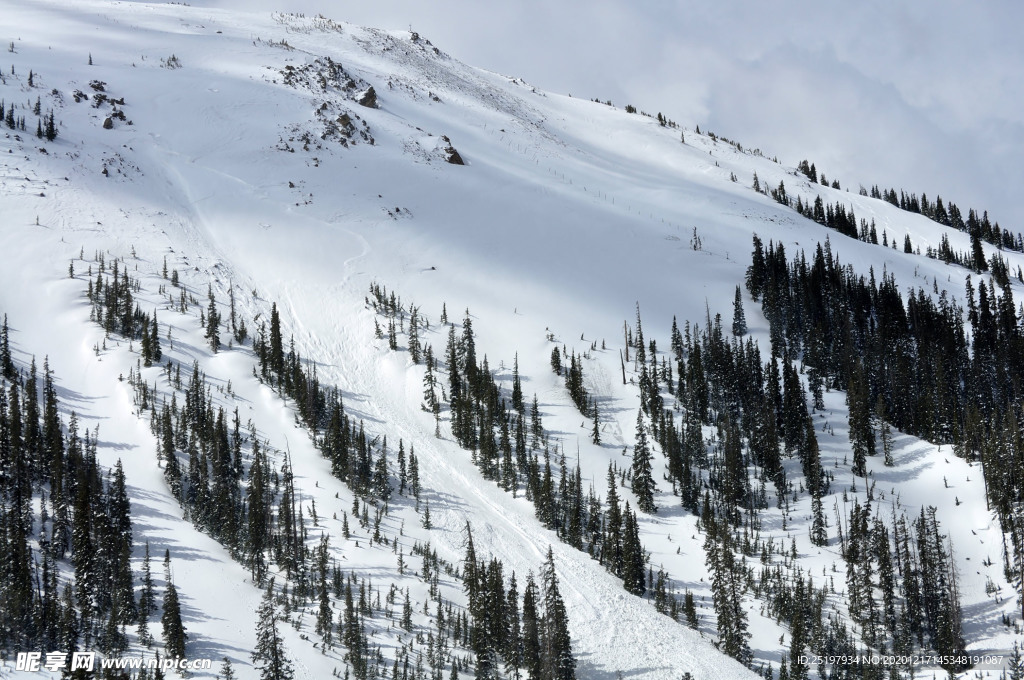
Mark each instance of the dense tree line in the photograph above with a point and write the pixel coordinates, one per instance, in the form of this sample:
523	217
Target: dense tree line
531	637
914	364
947	214
66	578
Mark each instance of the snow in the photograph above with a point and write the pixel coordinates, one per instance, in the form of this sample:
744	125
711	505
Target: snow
568	214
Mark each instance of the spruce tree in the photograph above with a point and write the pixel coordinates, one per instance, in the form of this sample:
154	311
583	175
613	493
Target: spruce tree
611	545
51	128
414	336
727	586
819	534
862	435
633	557
258	516
559	663
324	617
174	633
6	365
532	624
147	600
268	655
513	652
276	347
1015	663
643	483
517	387
227	672
884	431
212	321
739	319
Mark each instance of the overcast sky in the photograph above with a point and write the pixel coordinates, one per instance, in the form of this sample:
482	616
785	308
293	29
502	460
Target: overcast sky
928	97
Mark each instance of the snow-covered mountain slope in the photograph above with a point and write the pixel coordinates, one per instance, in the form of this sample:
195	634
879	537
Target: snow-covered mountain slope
297	161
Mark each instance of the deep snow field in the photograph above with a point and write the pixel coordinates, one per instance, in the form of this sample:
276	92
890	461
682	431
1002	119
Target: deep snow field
566	216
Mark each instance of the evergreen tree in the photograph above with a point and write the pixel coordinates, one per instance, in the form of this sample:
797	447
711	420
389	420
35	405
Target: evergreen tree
819	534
119	542
212	321
739	319
643	482
611	545
532	655
51	128
414	335
430	401
690	611
862	435
258	516
227	672
324	617
513	651
558	662
1015	664
727	586
6	365
276	359
517	387
756	272
268	654
884	431
633	555
147	599
174	633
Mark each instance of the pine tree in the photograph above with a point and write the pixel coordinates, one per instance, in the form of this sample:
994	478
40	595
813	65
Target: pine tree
276	346
212	321
819	534
739	319
119	543
643	483
324	617
430	401
727	588
513	652
414	336
532	624
1015	663
426	516
51	128
756	272
690	611
884	431
268	654
227	672
517	387
862	435
558	662
147	600
6	365
258	516
633	556
174	633
392	335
